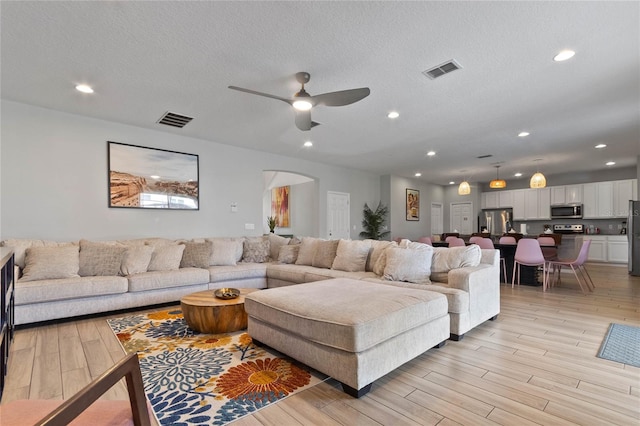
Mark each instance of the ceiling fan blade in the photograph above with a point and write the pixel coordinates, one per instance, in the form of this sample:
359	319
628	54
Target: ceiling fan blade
303	120
266	95
343	97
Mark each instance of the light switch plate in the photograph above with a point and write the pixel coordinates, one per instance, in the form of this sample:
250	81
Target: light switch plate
249	226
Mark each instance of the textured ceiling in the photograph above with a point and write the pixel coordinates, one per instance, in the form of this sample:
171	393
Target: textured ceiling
146	58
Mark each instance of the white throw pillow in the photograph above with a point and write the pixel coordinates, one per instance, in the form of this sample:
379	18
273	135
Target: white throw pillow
446	259
48	263
136	260
351	256
225	251
166	258
410	265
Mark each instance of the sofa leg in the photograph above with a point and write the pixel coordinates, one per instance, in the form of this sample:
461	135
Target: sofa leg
456	337
441	344
493	318
257	342
356	393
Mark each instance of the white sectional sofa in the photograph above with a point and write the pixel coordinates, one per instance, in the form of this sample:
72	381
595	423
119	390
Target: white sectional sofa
62	280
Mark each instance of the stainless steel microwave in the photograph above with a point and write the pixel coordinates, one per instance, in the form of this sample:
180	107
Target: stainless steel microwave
566	211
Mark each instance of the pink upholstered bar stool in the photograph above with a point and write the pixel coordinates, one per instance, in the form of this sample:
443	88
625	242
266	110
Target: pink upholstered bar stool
510	241
456	242
529	253
425	240
475	239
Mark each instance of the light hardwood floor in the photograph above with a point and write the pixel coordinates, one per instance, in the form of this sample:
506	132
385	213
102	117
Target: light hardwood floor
536	364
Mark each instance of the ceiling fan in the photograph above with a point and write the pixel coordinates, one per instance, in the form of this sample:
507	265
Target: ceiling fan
302	102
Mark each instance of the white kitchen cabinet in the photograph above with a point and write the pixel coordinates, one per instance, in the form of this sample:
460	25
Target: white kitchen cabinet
505	199
617	249
557	195
622	193
589	201
491	200
572	194
544	203
519	204
598	248
604	196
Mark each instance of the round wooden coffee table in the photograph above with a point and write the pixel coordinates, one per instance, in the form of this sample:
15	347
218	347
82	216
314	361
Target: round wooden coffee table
206	313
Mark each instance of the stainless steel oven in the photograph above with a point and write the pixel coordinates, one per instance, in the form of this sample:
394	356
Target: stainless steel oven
566	211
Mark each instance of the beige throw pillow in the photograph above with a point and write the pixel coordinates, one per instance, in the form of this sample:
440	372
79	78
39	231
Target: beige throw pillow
196	255
351	256
325	253
225	251
48	263
100	259
410	265
377	248
275	242
166	258
288	253
446	259
136	260
256	251
307	250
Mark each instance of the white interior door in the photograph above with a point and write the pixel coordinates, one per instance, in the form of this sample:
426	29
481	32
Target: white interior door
460	218
338	215
436	219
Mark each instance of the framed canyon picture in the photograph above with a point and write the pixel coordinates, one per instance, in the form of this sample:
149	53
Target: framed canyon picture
413	204
151	178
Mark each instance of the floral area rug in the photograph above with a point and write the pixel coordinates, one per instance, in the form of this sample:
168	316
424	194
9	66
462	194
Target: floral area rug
203	379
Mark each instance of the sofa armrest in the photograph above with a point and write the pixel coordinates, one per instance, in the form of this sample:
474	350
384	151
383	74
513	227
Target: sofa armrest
482	282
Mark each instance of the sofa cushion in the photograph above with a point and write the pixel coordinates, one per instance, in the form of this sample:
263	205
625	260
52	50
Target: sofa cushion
196	255
275	242
411	265
446	259
351	255
325	253
136	260
237	272
256	251
100	259
307	250
155	280
350	315
324	274
288	253
166	257
44	263
377	248
226	251
68	288
290	273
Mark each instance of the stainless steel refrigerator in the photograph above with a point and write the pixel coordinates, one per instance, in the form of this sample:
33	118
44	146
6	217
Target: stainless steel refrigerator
495	221
633	235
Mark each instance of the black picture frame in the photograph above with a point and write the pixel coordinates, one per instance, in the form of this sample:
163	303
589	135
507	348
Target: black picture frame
151	178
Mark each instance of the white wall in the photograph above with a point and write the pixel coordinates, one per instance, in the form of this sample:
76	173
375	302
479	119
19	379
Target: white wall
400	226
54	182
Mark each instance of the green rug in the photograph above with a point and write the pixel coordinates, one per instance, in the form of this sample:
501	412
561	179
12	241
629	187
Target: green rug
621	344
202	379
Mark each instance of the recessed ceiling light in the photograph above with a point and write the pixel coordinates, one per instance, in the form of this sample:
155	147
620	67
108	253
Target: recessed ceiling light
452	183
154	177
84	88
523	134
601	145
611	163
393	114
564	55
308	144
431	153
418	174
518	174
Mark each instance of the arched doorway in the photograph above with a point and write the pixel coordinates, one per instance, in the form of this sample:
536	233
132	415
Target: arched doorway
302	202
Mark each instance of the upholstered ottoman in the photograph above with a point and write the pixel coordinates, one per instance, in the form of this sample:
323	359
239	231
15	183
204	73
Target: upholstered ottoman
351	330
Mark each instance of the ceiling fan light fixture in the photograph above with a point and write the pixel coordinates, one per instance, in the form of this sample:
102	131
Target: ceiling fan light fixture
464	188
302	105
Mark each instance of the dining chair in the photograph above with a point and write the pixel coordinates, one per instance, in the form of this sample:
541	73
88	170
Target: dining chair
529	253
475	239
508	240
450	238
456	242
425	240
576	265
549	249
487	243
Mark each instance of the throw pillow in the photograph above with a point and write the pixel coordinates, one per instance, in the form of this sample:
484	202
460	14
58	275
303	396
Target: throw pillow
49	263
225	251
410	265
136	260
166	258
288	253
99	259
275	242
351	256
307	250
196	255
325	253
446	259
256	251
377	248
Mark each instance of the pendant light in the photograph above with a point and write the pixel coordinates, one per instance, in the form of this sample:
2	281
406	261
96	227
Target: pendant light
498	183
464	188
537	180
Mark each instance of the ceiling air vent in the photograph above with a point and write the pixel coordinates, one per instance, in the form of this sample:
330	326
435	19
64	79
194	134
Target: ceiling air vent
484	156
442	69
174	120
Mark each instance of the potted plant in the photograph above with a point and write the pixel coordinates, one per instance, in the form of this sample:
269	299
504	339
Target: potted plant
373	222
272	222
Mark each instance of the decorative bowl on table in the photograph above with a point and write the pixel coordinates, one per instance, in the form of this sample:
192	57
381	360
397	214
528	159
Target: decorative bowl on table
227	293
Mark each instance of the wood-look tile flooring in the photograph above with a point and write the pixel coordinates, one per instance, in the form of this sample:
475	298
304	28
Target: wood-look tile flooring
535	365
